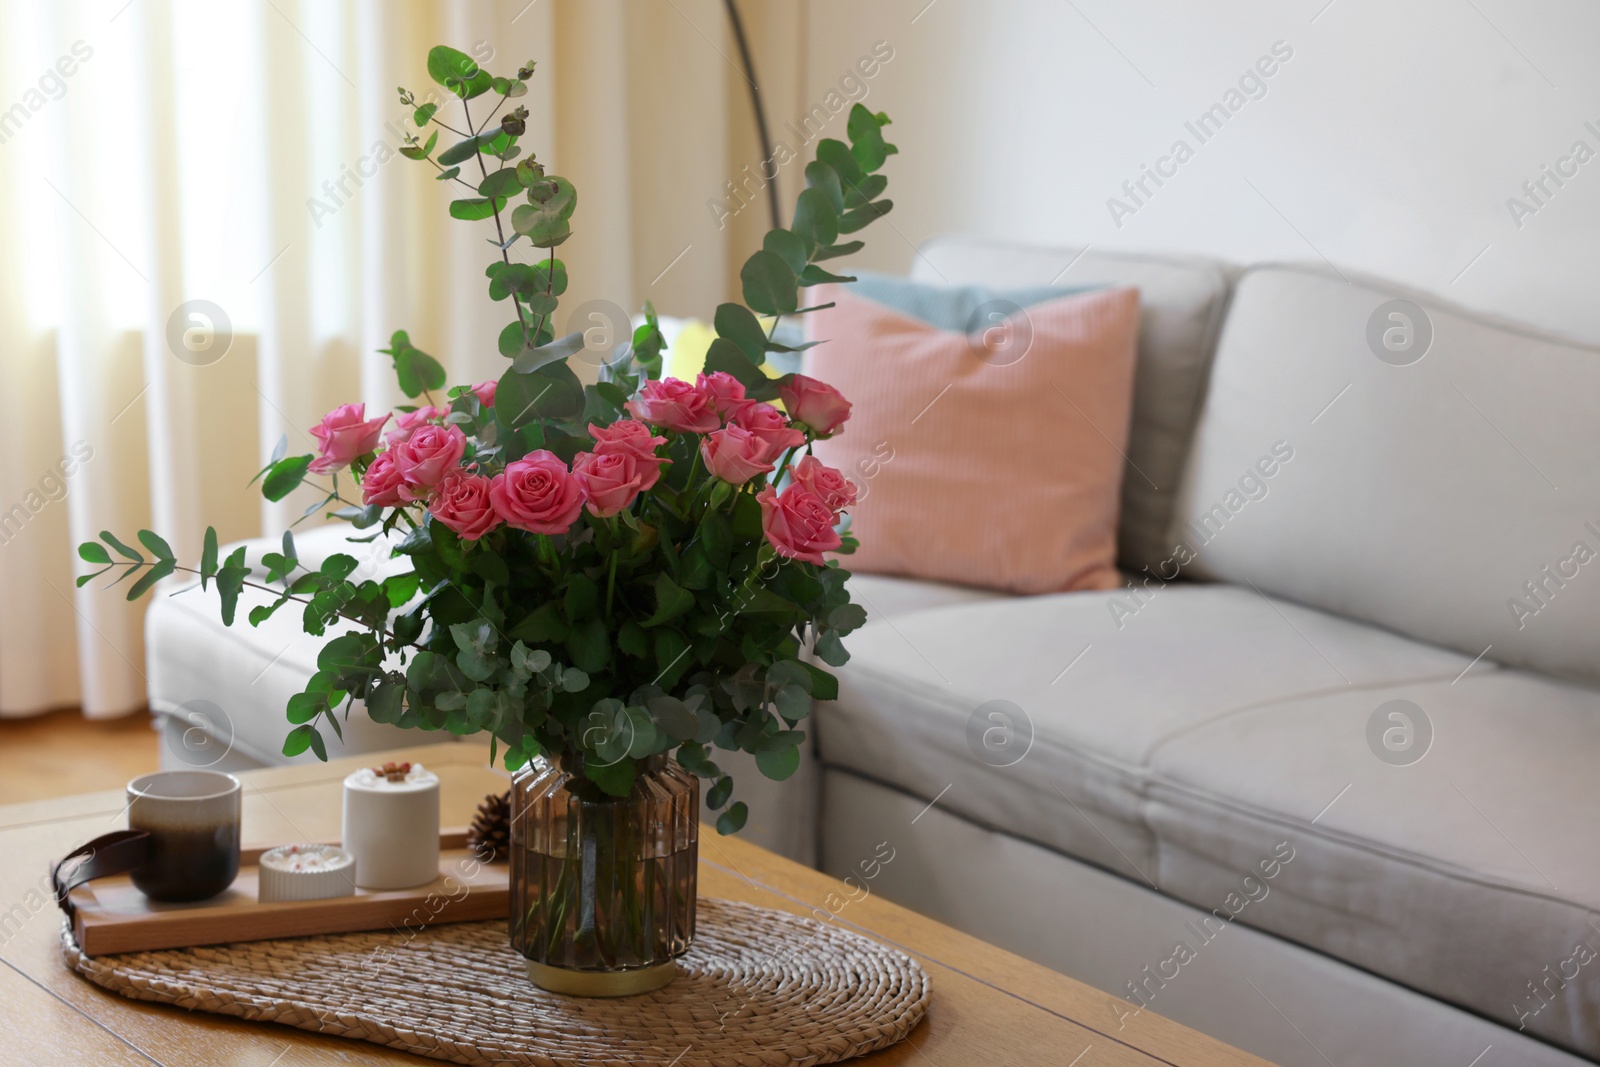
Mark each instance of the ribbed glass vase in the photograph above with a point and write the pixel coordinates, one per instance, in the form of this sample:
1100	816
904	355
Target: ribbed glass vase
603	887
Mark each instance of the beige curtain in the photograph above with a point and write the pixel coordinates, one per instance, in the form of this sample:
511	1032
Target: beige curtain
206	234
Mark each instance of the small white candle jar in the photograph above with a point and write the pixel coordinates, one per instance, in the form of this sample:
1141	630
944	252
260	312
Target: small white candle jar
304	872
391	825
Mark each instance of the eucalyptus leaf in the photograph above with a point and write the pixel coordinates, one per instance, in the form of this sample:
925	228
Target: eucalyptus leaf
445	63
792	702
724	355
500	184
855	219
674	717
737	324
299	740
788	247
130	553
733	820
816	221
464	150
160	570
815	275
831	650
837	155
770	285
472	209
866	139
417	371
823	178
285	477
551	392
835	251
779	764
530	360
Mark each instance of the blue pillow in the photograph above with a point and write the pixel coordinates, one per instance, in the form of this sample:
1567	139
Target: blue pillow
957	308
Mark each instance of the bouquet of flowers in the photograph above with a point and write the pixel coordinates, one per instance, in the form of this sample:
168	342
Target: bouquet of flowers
611	570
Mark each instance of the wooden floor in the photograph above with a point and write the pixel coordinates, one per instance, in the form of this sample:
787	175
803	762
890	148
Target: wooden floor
62	753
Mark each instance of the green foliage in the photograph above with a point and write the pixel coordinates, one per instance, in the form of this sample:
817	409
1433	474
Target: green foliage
416	371
672	627
284	477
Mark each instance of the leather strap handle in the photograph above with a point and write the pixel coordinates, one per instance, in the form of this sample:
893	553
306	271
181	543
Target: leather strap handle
113	853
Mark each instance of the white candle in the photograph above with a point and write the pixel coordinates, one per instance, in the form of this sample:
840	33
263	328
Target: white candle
305	872
391	826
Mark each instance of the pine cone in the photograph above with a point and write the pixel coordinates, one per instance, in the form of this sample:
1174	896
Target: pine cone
490	833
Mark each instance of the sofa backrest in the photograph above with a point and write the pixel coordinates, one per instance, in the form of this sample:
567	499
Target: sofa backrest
1390	457
1182	305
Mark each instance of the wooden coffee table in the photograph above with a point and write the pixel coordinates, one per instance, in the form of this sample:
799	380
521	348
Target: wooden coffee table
989	1006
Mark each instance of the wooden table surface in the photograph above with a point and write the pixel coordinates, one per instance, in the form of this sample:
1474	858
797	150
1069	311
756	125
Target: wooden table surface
989	1007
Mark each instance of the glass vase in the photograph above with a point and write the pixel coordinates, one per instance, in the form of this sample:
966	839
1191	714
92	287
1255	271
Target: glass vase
603	887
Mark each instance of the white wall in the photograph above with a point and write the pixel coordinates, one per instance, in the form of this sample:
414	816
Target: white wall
1389	143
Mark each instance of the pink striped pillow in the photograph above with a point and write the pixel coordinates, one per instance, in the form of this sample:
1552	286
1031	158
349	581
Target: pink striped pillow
997	466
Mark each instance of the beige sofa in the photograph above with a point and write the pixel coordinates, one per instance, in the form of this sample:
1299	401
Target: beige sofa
1200	793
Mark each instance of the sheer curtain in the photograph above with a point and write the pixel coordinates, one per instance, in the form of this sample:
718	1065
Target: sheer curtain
206	233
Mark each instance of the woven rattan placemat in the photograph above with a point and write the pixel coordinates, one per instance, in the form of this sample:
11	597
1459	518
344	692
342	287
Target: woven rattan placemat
760	988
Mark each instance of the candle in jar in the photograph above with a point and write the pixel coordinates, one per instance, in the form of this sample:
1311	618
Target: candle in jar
391	825
305	872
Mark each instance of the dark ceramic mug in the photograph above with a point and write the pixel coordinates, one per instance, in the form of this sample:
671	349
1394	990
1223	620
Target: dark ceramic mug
192	818
182	841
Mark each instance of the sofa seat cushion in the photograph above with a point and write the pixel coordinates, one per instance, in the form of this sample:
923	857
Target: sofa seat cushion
199	667
1471	874
1181	742
888	597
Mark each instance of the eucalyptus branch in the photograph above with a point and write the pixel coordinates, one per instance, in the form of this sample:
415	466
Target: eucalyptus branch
549	286
440	122
333	494
446	125
499	231
498	104
454	177
267	589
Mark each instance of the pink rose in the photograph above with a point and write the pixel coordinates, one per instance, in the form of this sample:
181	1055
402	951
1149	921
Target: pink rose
830	485
677	405
462	502
817	404
734	454
382	484
343	434
409	422
629	438
725	392
485	392
772	427
798	523
538	494
610	483
428	455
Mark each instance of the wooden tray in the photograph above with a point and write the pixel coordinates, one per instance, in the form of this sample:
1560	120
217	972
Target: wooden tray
113	916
